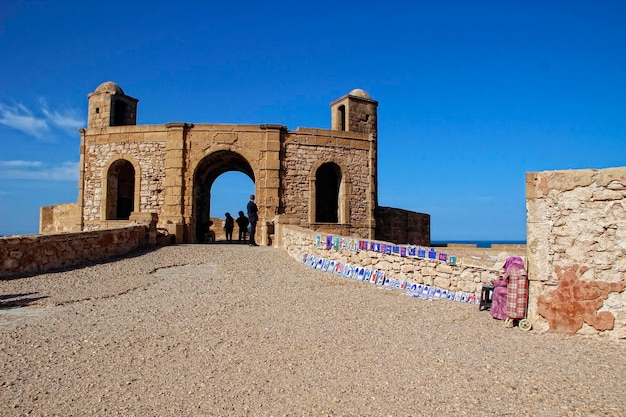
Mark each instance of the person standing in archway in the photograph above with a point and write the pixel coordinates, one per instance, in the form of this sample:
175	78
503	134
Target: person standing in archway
253	218
242	222
229	225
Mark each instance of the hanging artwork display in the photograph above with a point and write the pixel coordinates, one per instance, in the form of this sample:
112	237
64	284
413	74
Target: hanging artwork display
379	277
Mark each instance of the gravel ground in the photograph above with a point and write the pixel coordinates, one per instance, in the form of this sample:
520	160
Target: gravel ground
232	330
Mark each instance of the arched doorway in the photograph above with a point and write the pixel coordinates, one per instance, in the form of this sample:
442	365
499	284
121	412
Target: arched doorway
120	190
328	183
207	172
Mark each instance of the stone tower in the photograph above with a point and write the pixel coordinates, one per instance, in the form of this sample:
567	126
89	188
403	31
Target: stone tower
109	106
355	112
358	112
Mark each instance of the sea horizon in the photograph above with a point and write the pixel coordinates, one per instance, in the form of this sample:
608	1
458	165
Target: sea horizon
478	243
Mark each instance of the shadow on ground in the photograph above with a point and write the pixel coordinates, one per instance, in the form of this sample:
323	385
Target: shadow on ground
19	300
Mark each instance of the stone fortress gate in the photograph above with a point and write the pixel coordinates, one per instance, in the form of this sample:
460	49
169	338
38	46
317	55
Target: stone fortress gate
324	179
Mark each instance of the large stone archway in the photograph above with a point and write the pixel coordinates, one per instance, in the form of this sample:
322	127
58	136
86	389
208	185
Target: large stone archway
207	171
177	163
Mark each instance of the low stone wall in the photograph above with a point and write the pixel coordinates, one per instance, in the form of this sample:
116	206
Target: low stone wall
576	234
25	255
449	275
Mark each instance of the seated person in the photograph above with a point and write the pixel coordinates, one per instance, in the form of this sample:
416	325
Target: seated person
498	299
510	292
209	235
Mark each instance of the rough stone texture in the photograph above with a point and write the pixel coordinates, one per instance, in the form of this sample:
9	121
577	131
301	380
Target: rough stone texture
575	302
175	165
33	254
298	241
402	226
229	330
576	235
50	219
304	154
149	161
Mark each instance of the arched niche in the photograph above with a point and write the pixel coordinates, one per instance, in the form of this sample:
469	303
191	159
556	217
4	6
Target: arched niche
330	188
121	189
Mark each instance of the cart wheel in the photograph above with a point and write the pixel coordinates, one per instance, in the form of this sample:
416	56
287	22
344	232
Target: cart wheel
525	325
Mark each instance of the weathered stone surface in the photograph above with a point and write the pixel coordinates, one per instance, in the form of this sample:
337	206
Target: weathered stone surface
612	178
174	165
298	241
577	218
40	253
442	283
575	302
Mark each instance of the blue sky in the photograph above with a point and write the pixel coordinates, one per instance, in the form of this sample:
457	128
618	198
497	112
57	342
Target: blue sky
472	94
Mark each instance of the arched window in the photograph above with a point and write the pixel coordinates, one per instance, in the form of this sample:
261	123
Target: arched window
342	117
327	188
120	190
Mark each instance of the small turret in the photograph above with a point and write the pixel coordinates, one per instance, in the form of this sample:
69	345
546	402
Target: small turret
355	112
109	106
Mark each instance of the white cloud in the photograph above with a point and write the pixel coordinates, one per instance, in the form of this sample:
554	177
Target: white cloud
37	170
67	121
20	118
23	119
20	164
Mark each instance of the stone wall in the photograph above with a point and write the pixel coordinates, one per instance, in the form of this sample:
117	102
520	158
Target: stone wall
305	151
463	277
59	218
576	234
25	255
397	225
148	159
326	177
175	164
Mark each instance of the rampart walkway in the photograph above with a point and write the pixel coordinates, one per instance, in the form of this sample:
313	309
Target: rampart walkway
234	330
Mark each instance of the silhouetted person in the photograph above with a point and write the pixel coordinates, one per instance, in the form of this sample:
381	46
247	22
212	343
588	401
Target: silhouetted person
253	218
242	222
229	225
209	235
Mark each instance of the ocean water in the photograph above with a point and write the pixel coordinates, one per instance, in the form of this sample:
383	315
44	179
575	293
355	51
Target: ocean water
480	243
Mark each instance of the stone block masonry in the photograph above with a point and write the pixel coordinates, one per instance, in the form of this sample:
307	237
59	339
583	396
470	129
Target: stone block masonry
326	177
34	254
432	272
50	219
397	225
576	234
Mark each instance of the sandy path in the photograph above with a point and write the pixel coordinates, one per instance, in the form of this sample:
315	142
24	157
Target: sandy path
221	330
